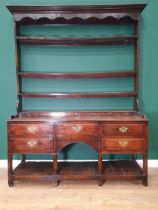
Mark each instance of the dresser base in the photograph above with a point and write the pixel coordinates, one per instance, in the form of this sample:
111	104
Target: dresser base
107	133
112	170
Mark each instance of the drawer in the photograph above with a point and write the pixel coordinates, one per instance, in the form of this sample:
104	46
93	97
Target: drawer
77	131
29	130
123	129
28	145
123	144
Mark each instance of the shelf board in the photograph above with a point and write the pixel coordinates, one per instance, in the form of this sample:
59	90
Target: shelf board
124	169
94	75
78	95
116	40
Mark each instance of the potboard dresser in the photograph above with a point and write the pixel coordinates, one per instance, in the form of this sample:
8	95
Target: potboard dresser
106	132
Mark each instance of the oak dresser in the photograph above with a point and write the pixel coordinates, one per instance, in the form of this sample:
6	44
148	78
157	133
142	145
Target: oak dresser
107	132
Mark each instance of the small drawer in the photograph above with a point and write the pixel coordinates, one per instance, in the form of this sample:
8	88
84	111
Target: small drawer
123	129
29	130
123	144
77	131
41	145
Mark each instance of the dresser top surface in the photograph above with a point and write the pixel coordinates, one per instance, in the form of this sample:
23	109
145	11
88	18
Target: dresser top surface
78	116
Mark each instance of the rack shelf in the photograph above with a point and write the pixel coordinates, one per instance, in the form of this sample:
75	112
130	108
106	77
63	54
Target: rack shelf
116	40
95	75
78	95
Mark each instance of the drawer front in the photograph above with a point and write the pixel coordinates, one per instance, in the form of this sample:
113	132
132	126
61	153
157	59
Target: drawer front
77	131
123	144
123	129
28	145
29	130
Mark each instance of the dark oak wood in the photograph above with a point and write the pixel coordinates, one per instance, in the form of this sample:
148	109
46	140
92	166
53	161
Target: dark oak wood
77	130
83	75
115	169
78	116
78	8
127	170
119	40
86	14
123	129
31	145
18	67
104	131
78	95
10	171
40	135
91	14
30	130
108	114
125	144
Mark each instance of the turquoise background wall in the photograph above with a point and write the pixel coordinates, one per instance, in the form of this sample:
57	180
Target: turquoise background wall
80	59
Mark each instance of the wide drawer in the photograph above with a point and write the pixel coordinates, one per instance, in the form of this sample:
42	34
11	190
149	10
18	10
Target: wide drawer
123	144
29	130
77	131
28	145
123	129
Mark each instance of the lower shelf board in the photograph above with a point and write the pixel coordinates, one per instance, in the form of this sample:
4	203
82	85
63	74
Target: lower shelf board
124	169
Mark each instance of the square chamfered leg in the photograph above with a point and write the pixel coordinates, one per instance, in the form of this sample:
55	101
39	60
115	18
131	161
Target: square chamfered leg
10	170
100	168
55	169
145	170
23	158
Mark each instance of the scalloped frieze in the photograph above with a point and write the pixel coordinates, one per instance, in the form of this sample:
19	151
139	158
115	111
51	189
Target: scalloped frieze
81	17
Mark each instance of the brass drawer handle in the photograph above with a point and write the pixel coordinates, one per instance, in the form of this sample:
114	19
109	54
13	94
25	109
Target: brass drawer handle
123	129
76	127
123	143
32	129
32	143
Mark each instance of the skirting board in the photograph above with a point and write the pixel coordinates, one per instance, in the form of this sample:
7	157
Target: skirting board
4	163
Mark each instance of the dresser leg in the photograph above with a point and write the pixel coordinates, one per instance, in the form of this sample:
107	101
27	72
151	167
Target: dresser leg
145	181
56	183
99	164
55	169
133	157
145	170
23	158
10	171
100	180
55	164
